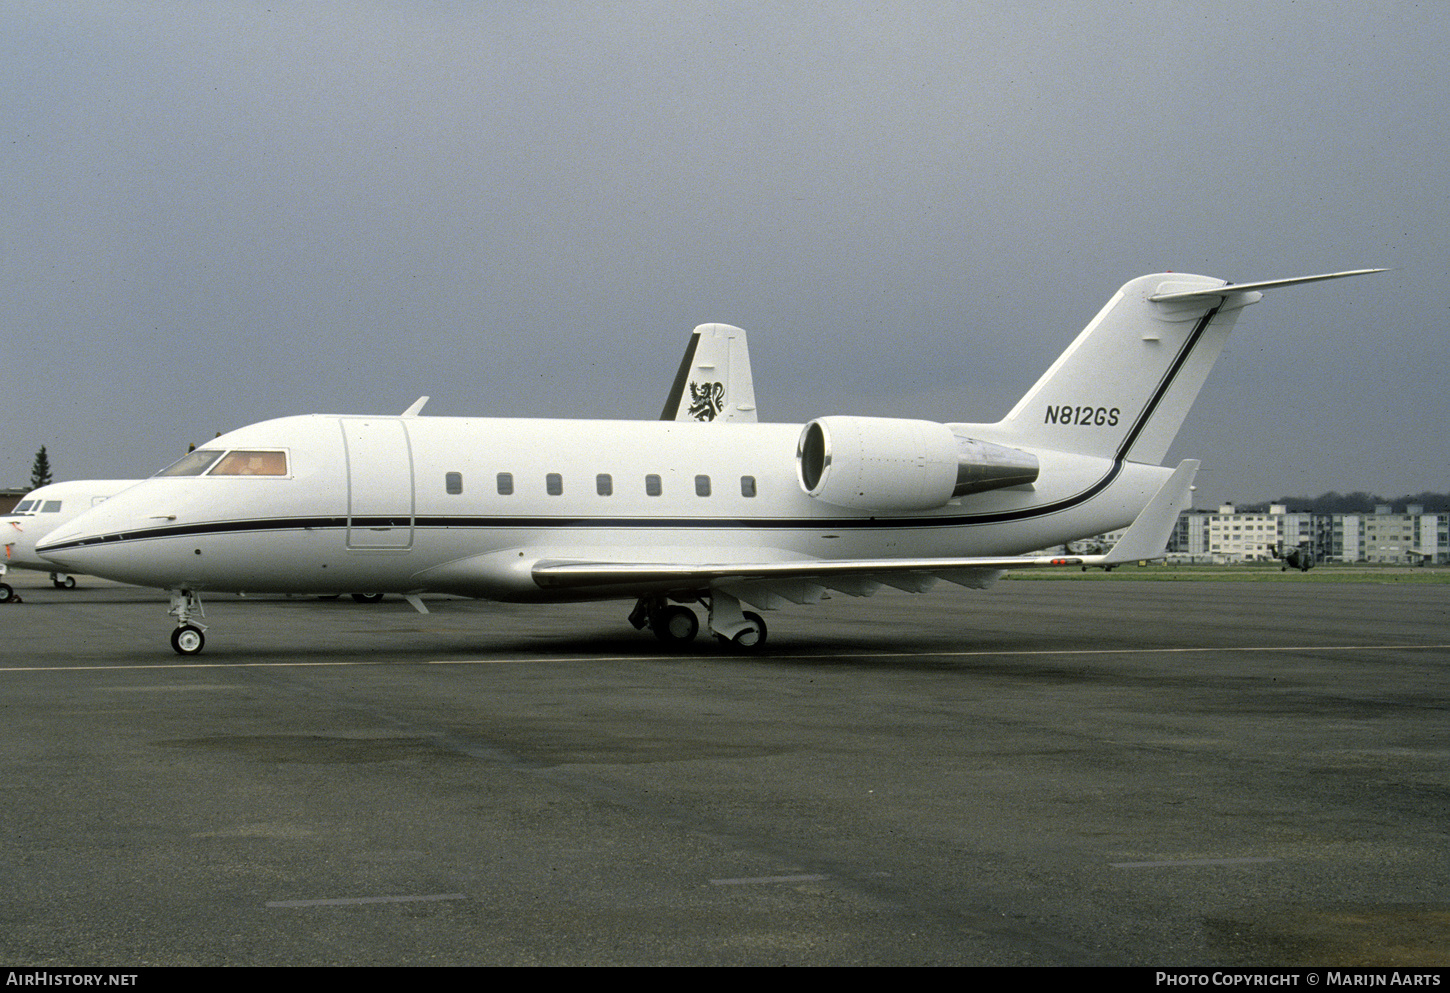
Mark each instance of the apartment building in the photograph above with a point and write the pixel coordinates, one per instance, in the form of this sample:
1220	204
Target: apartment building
1228	535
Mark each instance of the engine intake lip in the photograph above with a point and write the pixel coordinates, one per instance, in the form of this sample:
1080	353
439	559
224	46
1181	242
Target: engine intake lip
813	456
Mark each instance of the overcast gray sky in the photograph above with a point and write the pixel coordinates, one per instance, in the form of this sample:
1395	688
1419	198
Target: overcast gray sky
218	213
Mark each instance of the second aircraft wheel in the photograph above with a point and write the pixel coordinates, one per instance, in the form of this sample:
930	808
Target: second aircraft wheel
367	597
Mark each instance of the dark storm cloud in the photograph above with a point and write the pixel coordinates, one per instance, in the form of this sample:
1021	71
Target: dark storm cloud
225	212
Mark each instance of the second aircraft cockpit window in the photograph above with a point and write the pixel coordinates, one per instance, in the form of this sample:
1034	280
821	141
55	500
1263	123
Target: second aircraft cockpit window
29	508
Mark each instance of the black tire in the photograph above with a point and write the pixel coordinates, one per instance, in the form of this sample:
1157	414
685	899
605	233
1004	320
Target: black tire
7	593
752	638
676	625
188	640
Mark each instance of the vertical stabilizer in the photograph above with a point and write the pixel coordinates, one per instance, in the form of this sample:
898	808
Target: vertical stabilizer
713	383
1124	386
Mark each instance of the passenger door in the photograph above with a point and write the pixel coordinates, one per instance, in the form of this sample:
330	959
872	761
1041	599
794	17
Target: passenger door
379	483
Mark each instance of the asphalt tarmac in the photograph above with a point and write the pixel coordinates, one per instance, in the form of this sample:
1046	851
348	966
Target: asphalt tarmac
1045	773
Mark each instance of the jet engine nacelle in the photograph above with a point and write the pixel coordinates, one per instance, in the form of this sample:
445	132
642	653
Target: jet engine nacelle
886	463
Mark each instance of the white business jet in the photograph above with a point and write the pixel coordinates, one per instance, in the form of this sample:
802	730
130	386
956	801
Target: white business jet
716	510
40	512
716	364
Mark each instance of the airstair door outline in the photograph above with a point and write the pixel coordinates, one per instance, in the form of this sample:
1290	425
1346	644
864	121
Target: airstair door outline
379	483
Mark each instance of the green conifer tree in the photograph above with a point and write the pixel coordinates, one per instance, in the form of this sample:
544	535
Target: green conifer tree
40	470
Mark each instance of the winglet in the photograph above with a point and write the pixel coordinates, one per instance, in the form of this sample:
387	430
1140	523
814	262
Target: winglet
1148	536
716	370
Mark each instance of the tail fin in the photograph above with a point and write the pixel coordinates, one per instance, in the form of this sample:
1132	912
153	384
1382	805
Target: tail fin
716	370
1124	386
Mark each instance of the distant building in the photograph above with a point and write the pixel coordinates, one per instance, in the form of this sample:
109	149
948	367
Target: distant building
1227	535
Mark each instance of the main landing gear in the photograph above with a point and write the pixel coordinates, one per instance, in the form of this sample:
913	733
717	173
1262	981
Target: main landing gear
677	625
188	638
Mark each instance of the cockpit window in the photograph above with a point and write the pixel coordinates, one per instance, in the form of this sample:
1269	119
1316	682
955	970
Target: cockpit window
252	464
209	462
23	507
50	507
192	463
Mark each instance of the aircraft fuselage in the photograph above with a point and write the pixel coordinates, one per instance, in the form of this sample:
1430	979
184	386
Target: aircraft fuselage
469	505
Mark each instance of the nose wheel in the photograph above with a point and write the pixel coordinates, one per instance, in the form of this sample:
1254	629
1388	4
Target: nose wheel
188	638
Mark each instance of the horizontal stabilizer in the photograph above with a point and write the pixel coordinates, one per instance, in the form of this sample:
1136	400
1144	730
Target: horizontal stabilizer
1228	289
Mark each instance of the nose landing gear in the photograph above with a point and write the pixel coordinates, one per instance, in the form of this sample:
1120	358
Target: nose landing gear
188	638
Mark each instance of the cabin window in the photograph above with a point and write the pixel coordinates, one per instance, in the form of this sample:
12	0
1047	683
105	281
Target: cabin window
652	485
453	482
505	484
252	464
747	486
702	486
554	484
50	507
604	484
192	463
